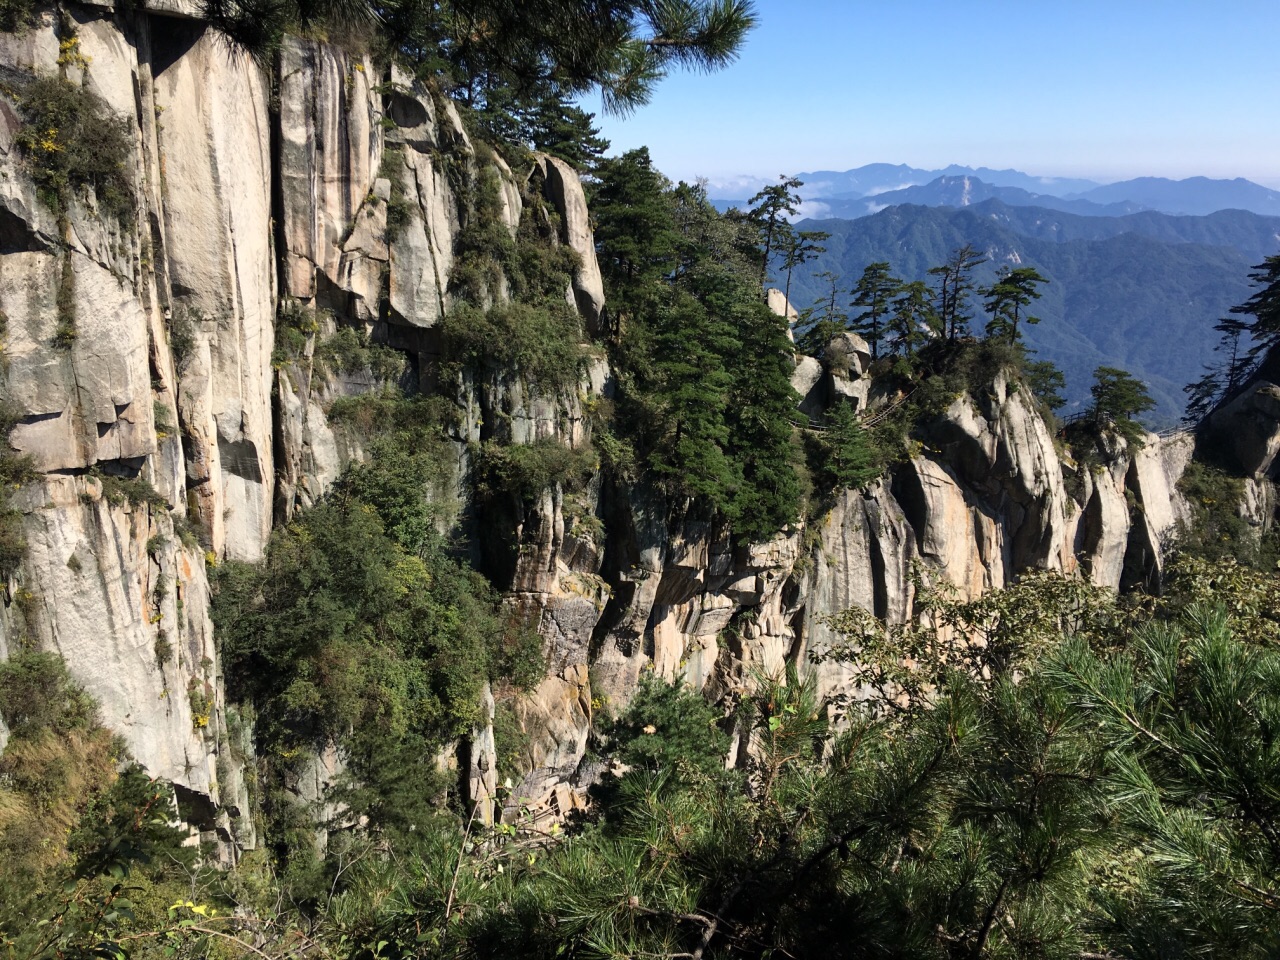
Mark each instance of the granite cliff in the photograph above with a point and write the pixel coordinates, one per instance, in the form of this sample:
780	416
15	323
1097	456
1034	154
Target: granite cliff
185	418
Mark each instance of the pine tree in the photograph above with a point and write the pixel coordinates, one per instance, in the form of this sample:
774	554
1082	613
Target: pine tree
1118	397
635	232
799	249
1006	300
824	319
769	210
954	290
1046	382
1264	305
912	318
852	458
1222	379
874	292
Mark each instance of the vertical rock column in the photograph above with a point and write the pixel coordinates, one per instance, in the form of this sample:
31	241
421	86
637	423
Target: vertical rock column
215	158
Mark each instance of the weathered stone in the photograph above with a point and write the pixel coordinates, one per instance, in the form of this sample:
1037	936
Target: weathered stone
564	190
215	148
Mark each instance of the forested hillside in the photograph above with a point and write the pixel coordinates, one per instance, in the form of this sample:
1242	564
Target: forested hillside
1142	292
421	538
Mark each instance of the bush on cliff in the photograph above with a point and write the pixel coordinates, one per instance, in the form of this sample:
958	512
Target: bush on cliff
73	141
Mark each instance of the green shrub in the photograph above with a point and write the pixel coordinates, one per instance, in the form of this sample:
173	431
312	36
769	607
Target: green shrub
15	470
295	326
349	351
359	627
524	470
540	343
1216	531
16	15
388	411
135	491
37	694
509	742
73	141
668	728
182	334
399	209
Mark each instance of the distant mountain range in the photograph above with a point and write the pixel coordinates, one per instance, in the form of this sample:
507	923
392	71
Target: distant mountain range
1140	291
962	191
868	189
1194	196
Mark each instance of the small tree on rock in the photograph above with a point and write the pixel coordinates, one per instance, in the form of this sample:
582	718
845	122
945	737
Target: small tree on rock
874	292
1118	397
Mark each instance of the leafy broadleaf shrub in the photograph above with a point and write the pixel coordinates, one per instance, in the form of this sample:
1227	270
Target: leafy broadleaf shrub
359	628
399	207
16	15
1215	530
73	141
295	325
486	251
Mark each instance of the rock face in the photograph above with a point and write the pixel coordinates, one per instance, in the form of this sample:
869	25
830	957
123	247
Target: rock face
181	396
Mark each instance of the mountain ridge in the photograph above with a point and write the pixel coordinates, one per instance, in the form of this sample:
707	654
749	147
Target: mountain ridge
840	190
1126	298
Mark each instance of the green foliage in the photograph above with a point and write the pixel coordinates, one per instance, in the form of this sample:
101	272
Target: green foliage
912	319
349	351
135	491
955	284
37	694
1242	341
182	334
670	730
1046	382
485	252
541	343
525	470
16	15
1135	293
546	120
874	292
72	141
1264	304
64	335
704	368
769	212
360	629
400	209
848	453
1188	714
1216	530
1118	398
1008	297
15	470
76	819
295	326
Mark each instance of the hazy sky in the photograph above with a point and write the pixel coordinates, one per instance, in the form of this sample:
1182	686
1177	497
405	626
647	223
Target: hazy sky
1107	90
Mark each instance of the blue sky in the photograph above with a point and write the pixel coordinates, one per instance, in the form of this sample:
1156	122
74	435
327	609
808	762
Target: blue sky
1106	90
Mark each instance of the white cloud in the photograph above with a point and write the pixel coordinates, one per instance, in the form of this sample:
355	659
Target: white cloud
735	186
876	191
813	209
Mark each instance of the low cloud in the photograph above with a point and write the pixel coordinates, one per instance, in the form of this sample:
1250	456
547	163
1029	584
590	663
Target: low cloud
812	210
